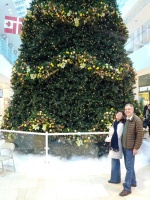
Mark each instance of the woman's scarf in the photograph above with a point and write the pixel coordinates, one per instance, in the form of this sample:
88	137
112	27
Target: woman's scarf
114	140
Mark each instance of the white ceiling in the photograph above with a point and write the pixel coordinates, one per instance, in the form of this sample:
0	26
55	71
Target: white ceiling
140	14
7	8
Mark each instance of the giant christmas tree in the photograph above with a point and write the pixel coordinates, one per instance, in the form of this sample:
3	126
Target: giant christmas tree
73	72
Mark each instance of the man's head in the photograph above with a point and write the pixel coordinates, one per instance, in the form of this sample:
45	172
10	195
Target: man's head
129	110
149	106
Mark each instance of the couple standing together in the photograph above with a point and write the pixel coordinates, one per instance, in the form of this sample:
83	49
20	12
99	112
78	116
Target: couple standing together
125	138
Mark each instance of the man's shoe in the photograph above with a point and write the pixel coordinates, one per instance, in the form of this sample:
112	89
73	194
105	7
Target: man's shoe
124	193
132	185
113	182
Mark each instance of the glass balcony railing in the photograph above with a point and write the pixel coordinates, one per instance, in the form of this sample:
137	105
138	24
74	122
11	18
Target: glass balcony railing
139	38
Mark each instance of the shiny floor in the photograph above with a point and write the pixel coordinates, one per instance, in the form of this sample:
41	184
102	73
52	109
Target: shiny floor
17	186
61	184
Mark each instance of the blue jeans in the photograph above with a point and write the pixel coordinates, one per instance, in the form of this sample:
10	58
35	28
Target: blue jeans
130	178
115	171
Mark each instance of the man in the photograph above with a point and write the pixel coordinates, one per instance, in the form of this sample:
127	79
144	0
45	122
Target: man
131	142
148	117
144	110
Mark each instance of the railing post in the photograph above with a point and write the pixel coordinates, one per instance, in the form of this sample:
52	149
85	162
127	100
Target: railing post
46	148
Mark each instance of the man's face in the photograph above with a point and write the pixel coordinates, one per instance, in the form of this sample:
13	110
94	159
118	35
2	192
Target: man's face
129	111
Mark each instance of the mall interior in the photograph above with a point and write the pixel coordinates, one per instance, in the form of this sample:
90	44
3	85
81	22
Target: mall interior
137	19
33	180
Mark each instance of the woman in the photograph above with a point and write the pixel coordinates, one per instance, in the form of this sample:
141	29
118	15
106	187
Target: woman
115	134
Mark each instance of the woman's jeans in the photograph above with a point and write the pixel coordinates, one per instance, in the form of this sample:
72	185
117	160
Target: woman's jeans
130	178
115	171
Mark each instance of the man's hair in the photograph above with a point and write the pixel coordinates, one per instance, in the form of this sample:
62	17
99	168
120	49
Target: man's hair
129	104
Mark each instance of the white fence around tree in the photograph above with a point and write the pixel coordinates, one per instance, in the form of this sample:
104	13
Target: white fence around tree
46	134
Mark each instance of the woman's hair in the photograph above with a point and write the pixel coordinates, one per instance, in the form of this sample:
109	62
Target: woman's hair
124	116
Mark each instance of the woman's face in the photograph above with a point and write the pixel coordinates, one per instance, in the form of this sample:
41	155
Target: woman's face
119	116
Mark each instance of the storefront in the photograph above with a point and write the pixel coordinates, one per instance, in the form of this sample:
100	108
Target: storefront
144	89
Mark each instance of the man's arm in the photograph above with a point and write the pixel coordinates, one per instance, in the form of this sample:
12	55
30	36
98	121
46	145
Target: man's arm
138	135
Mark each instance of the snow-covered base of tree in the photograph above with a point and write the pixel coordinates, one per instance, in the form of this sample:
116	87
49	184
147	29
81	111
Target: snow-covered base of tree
35	165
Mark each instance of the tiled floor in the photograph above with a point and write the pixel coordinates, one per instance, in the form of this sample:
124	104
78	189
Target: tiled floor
52	181
19	186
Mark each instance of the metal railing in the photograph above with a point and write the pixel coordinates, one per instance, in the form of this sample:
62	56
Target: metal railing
46	134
